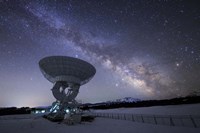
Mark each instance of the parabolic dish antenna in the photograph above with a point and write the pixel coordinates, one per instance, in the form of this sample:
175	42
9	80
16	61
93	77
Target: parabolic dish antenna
65	72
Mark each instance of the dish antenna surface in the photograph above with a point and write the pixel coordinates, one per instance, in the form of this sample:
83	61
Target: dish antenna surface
65	72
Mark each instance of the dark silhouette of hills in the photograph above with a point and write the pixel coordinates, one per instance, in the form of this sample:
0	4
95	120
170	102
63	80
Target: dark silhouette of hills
140	103
127	102
14	110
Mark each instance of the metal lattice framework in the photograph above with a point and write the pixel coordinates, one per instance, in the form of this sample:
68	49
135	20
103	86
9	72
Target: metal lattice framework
65	72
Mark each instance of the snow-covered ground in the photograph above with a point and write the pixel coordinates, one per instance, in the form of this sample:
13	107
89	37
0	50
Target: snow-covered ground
185	109
37	124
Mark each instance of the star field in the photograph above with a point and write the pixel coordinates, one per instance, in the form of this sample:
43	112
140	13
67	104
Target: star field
147	49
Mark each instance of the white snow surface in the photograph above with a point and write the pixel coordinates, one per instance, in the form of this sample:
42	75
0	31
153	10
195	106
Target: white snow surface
37	124
185	109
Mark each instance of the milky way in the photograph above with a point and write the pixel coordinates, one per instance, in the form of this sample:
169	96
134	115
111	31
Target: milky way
144	49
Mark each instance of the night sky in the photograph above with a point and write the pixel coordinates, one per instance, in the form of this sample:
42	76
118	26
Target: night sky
146	49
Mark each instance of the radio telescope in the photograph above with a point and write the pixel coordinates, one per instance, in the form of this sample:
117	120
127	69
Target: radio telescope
66	73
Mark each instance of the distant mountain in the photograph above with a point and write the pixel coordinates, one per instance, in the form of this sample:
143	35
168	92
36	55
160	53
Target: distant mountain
124	100
133	102
128	100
